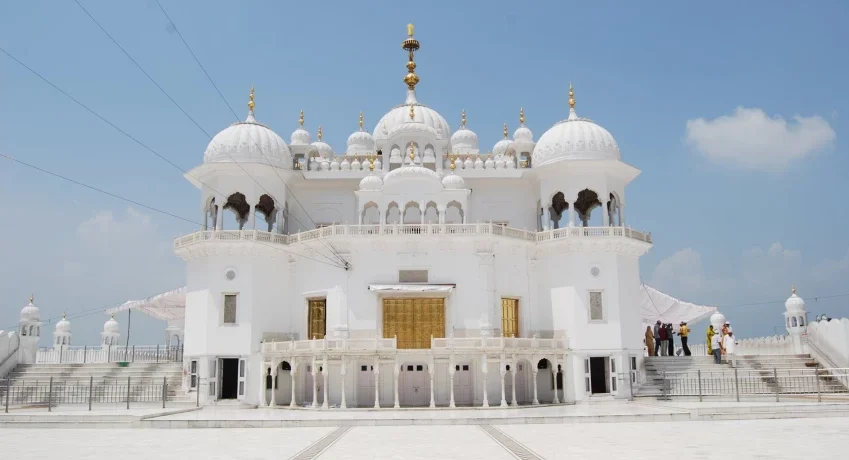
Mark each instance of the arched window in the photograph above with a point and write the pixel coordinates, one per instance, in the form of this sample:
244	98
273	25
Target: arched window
454	213
371	214
559	217
30	330
801	321
585	204
240	207
265	207
793	321
412	213
431	215
393	213
23	330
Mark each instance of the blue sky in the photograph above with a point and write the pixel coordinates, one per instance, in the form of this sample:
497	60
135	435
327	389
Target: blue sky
733	111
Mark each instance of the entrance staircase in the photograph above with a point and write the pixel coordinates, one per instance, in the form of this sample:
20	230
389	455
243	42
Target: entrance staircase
756	375
30	384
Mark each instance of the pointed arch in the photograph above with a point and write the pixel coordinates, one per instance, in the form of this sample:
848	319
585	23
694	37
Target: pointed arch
412	213
265	207
431	213
454	213
586	202
393	213
370	214
240	208
557	215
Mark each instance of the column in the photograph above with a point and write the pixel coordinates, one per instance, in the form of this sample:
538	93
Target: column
431	370
484	371
546	219
441	211
554	374
605	214
422	209
205	221
513	367
502	371
314	386
324	375
535	371
571	214
344	371
273	382
395	371
252	218
281	217
622	214
262	400
294	367
451	382
219	217
376	370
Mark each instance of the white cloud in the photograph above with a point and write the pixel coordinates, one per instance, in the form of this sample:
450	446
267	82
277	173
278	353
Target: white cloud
750	139
682	274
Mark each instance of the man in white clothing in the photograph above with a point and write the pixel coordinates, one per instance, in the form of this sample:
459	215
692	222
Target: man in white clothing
716	347
728	344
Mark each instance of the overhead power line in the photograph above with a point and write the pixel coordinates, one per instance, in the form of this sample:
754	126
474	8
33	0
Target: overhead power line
162	90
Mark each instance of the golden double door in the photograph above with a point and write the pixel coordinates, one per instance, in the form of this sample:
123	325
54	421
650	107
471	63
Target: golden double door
414	321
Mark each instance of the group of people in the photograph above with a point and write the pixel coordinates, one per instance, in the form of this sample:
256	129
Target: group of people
722	343
660	340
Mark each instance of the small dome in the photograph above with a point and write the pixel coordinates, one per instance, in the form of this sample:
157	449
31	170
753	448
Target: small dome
410	172
717	320
794	303
63	325
30	312
501	147
111	326
323	148
453	182
300	137
421	114
248	142
464	140
371	182
523	134
360	142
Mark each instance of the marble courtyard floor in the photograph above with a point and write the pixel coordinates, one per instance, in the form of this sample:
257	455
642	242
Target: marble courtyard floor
811	438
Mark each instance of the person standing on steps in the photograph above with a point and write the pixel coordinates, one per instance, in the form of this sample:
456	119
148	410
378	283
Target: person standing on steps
662	340
657	342
716	346
728	345
670	336
684	332
650	341
709	343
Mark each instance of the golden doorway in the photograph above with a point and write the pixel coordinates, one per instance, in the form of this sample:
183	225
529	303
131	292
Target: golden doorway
413	321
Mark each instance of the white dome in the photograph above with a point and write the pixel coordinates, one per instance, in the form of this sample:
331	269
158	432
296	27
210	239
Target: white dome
371	182
410	172
575	139
421	114
453	182
63	325
523	134
324	149
501	147
360	142
248	142
794	303
30	313
111	326
717	320
300	137
464	141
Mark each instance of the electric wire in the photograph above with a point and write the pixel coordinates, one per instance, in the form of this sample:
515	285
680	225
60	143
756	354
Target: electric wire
119	129
59	176
162	90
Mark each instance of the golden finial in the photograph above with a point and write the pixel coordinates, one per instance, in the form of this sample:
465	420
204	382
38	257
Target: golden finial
522	115
251	103
451	165
371	163
63	315
31	298
412	112
361	121
411	45
412	152
319	133
301	119
505	131
571	96
463	119
794	289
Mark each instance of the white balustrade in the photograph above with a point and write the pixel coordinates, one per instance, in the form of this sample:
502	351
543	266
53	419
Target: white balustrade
478	229
108	354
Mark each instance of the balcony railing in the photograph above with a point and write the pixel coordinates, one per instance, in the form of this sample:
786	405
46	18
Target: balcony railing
438	344
480	229
109	354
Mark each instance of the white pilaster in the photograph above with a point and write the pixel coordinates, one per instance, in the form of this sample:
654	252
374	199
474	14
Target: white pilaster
451	381
275	365
395	371
484	371
502	372
324	374
513	377
314	385
430	370
535	371
344	405
376	370
294	367
554	375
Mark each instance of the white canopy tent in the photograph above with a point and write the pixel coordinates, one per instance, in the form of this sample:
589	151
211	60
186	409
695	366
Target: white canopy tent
655	305
168	306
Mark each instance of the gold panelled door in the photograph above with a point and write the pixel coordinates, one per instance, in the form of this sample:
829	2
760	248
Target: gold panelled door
317	318
510	317
413	321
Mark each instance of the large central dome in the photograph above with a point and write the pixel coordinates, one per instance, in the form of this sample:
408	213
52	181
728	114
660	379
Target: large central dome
421	114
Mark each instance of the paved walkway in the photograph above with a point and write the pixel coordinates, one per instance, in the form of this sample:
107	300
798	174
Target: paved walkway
772	439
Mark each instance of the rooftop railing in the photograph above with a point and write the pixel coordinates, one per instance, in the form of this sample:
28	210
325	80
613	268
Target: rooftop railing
478	229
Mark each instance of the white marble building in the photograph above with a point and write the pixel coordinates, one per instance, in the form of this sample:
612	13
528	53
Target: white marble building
411	269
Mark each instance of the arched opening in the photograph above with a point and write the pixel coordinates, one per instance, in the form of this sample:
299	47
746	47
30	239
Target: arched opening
240	207
23	330
557	211
801	321
585	204
283	384
265	207
545	390
370	214
393	213
454	213
793	321
412	213
431	215
30	330
285	229
614	211
210	219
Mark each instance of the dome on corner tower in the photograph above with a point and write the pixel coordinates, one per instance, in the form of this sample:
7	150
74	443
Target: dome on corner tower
464	140
300	136
63	325
30	312
111	326
360	142
575	139
248	142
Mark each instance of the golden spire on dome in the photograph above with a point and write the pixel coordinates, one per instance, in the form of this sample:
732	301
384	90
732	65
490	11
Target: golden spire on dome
301	119
411	45
463	119
251	103
31	298
361	121
451	164
319	133
371	163
412	152
794	289
505	131
571	96
522	115
63	315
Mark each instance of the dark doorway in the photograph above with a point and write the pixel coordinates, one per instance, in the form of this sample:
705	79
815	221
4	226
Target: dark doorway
598	375
229	378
